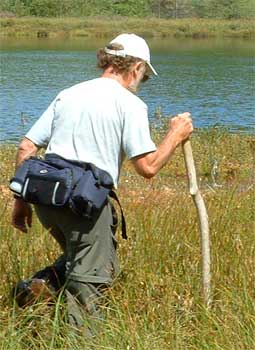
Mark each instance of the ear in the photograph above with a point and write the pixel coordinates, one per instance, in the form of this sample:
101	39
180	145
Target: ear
138	66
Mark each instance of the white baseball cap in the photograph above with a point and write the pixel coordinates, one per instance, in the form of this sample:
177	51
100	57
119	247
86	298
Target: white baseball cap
133	45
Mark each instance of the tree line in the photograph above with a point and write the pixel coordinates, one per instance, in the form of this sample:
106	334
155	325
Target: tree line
225	9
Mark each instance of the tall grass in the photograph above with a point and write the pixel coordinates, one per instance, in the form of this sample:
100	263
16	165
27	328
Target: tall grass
108	27
156	302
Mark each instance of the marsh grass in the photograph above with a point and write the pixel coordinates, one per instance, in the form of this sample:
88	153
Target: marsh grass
101	27
156	301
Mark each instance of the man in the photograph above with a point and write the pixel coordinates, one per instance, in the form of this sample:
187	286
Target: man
98	121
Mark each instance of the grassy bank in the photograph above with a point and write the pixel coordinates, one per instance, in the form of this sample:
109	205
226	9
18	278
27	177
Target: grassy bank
107	27
156	302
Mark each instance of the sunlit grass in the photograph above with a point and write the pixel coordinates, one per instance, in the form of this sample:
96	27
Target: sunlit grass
156	302
108	27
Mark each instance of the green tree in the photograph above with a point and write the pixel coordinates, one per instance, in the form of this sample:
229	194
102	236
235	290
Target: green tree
16	6
246	8
45	8
228	9
131	7
171	8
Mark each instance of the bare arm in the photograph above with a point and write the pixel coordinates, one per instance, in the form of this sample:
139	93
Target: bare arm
22	211
149	164
26	149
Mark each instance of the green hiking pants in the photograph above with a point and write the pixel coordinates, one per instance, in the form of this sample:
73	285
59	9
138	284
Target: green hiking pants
89	249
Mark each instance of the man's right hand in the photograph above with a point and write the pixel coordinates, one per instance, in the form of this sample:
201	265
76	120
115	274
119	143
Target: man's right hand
181	126
21	215
149	164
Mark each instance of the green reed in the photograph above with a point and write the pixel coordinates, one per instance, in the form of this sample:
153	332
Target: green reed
156	301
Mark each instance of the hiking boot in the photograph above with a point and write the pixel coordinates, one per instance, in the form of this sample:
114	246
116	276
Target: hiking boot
44	285
28	292
54	276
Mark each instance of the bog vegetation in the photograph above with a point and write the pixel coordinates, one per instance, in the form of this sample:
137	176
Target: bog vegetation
64	28
156	301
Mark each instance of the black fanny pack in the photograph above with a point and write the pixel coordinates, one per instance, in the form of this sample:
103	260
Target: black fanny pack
54	181
57	182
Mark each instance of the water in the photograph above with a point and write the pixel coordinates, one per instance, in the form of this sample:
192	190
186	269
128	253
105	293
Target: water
213	79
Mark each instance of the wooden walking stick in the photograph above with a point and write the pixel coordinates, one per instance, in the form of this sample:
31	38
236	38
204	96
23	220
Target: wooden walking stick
203	220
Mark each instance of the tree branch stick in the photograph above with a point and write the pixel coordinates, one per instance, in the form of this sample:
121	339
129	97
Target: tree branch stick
203	221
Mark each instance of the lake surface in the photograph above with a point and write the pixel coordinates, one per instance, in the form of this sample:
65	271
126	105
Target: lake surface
213	79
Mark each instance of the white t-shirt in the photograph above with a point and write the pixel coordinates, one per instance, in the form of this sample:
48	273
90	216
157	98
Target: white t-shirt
97	121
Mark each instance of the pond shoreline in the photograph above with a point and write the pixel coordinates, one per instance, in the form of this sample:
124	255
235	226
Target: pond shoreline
41	27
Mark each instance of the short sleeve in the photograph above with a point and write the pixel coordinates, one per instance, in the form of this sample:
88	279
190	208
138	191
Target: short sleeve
40	132
136	139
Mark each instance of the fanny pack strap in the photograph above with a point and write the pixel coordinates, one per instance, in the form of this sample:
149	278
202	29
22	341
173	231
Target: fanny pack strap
113	195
